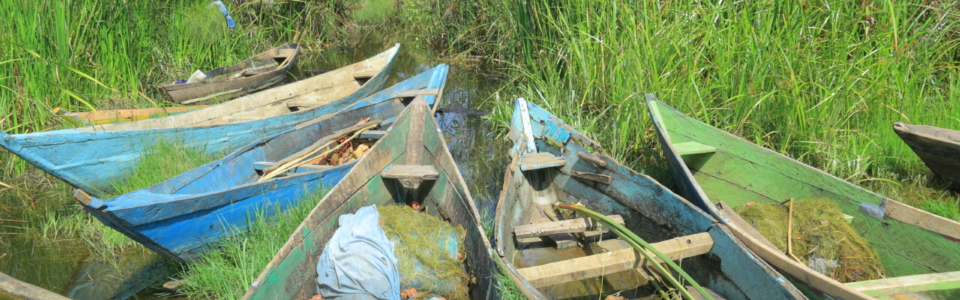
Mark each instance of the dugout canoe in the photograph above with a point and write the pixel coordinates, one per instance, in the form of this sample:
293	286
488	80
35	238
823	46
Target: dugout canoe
187	214
939	148
920	251
16	289
101	117
414	143
551	163
91	158
253	74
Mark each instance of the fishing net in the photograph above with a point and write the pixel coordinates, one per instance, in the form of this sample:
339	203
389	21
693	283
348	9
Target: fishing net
428	250
822	238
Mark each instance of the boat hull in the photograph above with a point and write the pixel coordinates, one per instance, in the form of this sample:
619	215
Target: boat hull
93	158
188	93
737	171
650	210
187	214
939	148
413	140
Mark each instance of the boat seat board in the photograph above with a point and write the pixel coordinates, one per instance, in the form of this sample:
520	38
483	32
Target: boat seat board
908	284
691	148
421	172
420	92
617	261
564	226
541	160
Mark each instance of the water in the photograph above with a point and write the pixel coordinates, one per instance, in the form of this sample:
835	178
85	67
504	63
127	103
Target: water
66	264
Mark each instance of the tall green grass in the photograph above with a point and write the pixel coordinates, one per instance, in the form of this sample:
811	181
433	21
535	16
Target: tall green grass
820	81
161	161
229	272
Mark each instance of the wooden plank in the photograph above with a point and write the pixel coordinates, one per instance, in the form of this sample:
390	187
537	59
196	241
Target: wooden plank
536	161
911	215
908	284
373	134
301	104
690	148
596	161
422	172
22	290
263	165
421	92
605	179
621	260
565	226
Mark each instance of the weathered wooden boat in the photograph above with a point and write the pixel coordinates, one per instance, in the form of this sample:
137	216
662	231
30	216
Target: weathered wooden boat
93	157
17	289
939	148
253	74
101	117
187	214
717	170
410	163
550	164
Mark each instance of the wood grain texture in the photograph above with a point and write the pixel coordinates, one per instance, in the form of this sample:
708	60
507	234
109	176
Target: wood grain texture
740	171
908	284
938	148
291	274
617	261
244	77
648	208
17	289
91	158
565	226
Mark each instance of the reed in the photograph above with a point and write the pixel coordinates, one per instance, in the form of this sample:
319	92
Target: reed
228	272
820	81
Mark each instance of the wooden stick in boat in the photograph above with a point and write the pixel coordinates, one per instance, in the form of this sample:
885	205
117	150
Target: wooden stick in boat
323	142
790	232
304	159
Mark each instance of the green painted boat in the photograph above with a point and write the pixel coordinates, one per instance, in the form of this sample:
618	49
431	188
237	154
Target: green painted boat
717	170
411	163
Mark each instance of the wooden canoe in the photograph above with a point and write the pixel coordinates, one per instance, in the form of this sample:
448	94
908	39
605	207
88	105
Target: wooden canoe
187	214
711	166
17	289
101	117
550	164
253	74
91	158
939	148
414	139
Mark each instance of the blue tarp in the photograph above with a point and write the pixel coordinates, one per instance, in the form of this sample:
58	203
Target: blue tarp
359	261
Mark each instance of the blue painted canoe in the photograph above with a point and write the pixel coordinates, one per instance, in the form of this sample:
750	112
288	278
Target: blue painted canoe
187	214
91	158
550	164
414	140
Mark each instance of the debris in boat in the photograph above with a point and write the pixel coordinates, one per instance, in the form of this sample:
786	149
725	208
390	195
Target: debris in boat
428	250
821	238
358	260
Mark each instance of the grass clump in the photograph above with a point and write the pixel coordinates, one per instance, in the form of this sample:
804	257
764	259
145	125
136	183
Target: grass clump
161	161
229	271
822	239
429	251
372	11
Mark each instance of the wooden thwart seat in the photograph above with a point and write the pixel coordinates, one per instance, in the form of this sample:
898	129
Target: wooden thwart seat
540	160
612	262
557	227
421	172
690	148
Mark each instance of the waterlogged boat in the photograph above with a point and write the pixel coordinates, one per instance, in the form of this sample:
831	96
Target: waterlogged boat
187	214
17	289
919	251
101	117
553	256
253	74
939	148
92	158
410	163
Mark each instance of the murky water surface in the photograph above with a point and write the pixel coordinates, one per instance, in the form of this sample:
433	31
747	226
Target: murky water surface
68	266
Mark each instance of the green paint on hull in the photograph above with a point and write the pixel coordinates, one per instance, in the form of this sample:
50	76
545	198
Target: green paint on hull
740	172
292	272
